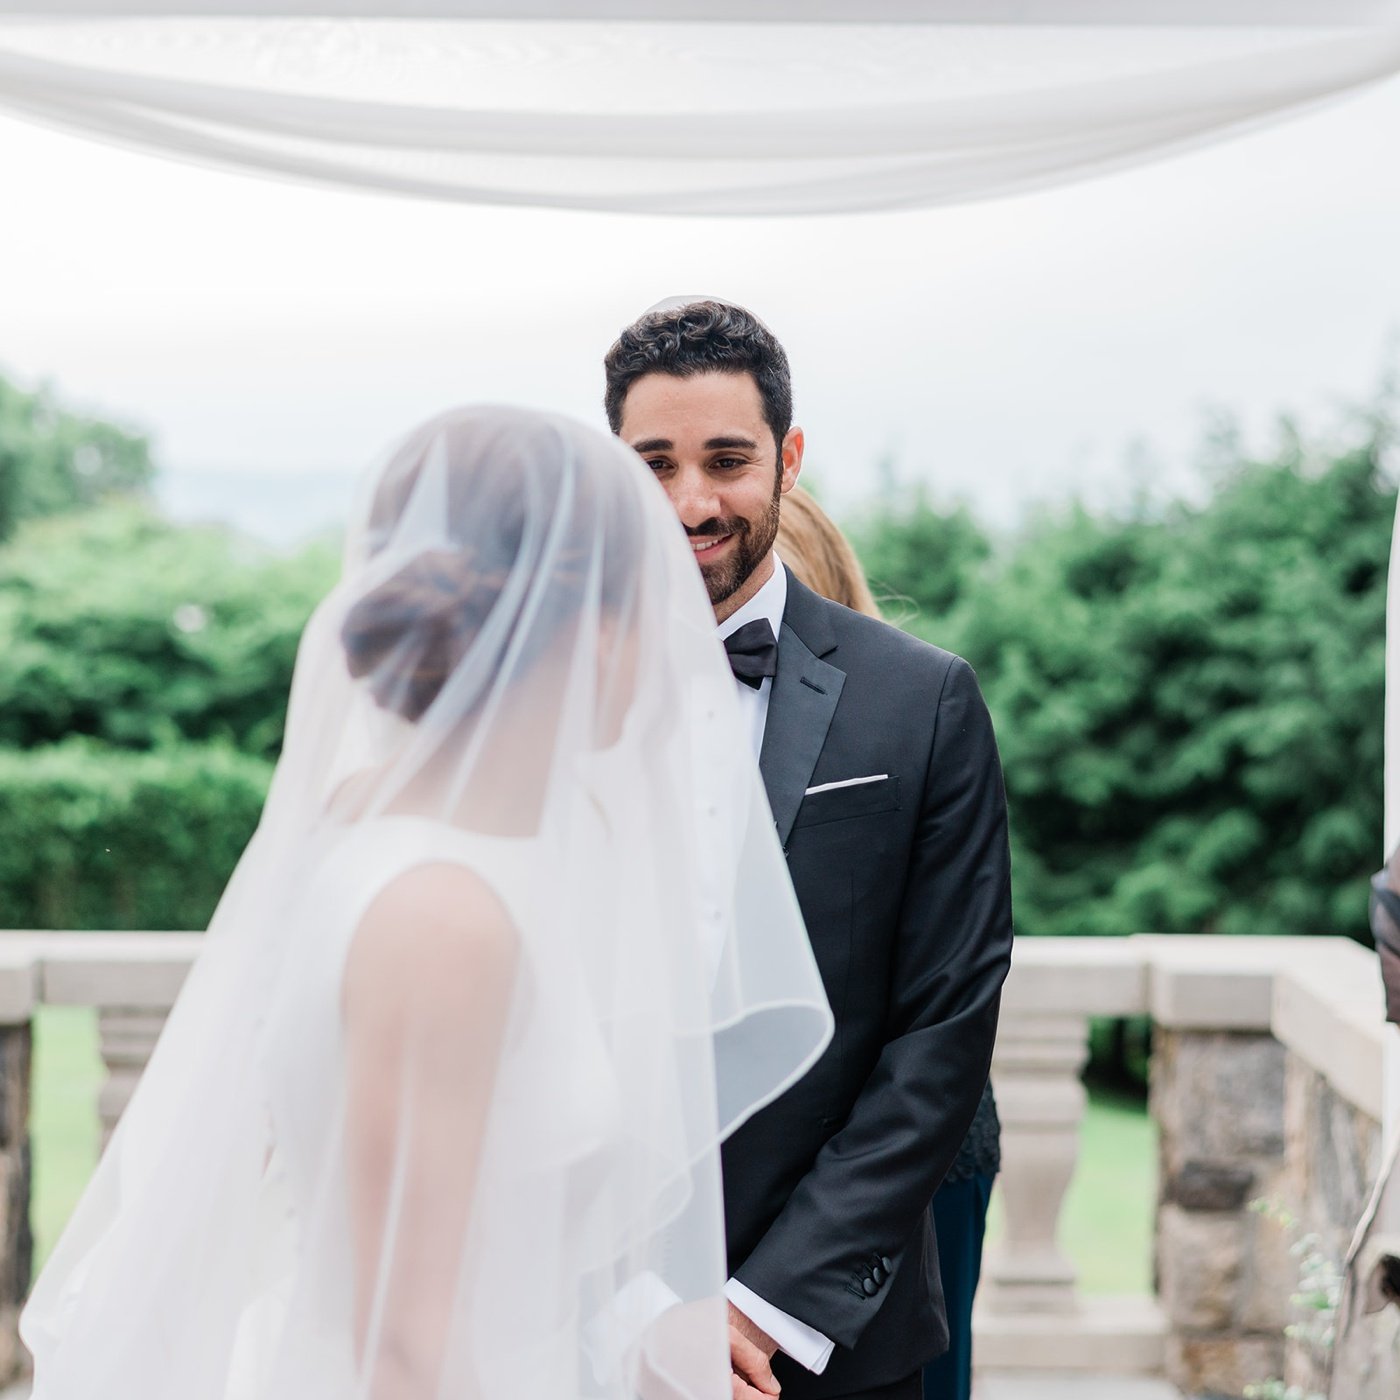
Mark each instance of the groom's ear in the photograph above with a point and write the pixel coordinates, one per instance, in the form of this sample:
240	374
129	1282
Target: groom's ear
790	460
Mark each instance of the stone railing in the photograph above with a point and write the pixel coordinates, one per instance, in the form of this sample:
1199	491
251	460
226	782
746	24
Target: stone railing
131	980
1266	1083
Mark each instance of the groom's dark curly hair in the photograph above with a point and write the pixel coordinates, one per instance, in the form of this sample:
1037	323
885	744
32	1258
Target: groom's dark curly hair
701	337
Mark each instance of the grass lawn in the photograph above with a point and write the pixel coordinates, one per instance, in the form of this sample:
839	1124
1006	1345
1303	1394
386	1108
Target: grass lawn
63	1117
1107	1225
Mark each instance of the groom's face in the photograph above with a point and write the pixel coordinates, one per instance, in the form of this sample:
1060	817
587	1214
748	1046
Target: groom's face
708	444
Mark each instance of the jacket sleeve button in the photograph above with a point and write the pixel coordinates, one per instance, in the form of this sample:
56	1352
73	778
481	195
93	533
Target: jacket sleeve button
869	1287
878	1274
889	1268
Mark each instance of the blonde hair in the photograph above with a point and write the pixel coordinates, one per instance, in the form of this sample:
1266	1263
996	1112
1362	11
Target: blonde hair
820	555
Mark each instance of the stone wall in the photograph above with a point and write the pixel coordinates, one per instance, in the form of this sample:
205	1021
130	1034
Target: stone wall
1334	1151
1243	1120
1222	1269
16	1243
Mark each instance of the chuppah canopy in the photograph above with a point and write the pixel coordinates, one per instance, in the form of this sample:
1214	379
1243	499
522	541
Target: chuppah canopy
692	107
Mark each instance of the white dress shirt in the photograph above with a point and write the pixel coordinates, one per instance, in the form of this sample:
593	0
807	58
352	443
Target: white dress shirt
804	1344
607	1338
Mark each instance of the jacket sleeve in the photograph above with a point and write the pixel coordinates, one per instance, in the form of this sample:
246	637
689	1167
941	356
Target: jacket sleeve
842	1235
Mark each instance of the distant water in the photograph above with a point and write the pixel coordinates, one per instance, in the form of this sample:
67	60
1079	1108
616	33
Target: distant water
280	508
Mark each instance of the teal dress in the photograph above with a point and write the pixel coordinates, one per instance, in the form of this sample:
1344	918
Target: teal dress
959	1221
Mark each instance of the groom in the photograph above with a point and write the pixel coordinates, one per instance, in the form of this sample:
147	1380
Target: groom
882	774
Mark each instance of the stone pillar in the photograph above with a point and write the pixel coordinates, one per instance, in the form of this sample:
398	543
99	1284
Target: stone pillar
1224	1276
17	997
16	1241
1334	1151
1041	1102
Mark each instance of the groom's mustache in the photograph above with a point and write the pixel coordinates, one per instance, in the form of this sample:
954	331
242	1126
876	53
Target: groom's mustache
715	528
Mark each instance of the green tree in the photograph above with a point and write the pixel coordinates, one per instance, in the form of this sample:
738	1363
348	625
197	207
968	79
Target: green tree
54	460
920	560
93	837
1188	706
118	625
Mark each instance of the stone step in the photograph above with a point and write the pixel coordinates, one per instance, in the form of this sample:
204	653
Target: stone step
1063	1385
1027	1386
1006	1386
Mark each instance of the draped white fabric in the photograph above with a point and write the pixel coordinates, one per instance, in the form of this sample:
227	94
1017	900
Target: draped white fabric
643	107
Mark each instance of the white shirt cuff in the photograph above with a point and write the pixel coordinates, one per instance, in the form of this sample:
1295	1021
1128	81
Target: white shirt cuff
808	1347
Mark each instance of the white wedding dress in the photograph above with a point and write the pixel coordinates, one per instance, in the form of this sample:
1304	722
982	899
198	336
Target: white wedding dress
300	1055
520	643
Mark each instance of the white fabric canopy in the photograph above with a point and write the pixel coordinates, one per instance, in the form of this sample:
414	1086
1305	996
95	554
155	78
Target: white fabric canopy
642	106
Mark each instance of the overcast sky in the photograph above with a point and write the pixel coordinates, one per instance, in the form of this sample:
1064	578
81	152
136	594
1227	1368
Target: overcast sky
273	338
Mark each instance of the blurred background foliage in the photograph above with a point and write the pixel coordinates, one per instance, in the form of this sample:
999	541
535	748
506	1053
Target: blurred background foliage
120	626
1187	699
144	672
1187	695
53	460
97	837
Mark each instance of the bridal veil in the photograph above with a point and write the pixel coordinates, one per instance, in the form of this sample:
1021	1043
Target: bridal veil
512	702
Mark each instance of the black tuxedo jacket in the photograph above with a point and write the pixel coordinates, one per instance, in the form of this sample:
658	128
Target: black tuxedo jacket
904	882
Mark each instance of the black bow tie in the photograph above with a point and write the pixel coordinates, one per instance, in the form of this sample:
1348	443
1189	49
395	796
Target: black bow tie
753	652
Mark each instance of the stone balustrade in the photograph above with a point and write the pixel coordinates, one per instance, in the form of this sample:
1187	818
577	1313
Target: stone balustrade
1031	1314
131	980
1267	1082
1267	1085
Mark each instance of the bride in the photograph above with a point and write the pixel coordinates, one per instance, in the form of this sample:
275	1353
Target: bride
437	1113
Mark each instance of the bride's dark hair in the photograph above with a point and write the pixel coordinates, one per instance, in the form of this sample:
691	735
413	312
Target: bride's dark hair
506	490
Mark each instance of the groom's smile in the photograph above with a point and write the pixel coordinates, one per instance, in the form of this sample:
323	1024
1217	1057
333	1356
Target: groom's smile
704	547
707	442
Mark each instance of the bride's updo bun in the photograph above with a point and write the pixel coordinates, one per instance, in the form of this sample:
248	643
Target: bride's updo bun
412	631
483	507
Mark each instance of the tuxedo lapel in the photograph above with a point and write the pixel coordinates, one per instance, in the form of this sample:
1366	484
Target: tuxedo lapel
801	705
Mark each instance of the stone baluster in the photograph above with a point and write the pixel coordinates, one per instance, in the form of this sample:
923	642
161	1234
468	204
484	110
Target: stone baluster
126	1036
1030	1314
132	979
1041	1101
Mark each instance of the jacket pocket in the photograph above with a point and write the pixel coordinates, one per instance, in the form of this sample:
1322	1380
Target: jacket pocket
838	803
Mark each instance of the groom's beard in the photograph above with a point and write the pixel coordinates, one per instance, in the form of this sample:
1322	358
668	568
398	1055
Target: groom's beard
752	541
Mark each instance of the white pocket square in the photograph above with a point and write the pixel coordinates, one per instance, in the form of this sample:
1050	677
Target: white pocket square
847	782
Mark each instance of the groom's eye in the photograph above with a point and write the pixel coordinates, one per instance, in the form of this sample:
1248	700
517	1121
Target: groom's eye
729	463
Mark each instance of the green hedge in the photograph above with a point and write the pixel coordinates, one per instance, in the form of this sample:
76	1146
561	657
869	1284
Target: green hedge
98	838
123	627
1187	701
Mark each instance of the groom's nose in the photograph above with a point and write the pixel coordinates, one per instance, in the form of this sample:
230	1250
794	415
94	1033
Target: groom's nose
694	496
